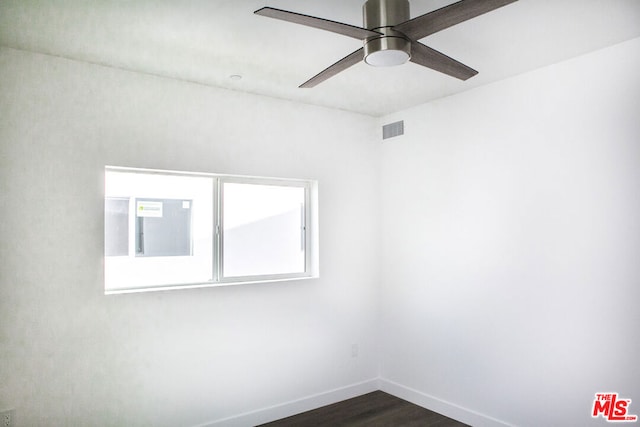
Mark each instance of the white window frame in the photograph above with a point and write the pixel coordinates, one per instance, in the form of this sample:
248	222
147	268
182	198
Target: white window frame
309	232
305	235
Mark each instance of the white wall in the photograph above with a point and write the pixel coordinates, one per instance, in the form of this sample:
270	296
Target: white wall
511	244
70	355
510	248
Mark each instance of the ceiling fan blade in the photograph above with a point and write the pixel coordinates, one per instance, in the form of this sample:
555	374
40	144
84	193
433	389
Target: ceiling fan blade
447	16
343	64
431	58
312	21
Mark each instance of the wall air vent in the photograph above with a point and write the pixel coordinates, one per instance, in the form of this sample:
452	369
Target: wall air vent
393	129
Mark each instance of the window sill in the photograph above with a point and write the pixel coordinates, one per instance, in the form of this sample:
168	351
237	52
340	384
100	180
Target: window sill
204	285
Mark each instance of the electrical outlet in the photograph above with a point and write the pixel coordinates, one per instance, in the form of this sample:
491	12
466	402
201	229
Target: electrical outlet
7	418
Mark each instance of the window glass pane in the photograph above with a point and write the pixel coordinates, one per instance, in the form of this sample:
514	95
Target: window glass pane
263	229
171	241
116	226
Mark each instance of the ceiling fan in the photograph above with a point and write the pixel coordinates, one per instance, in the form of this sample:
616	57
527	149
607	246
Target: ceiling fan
391	38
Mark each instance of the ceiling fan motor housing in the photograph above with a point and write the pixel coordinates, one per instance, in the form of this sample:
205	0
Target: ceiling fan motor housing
392	47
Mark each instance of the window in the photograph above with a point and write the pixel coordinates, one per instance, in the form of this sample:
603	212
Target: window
264	229
170	229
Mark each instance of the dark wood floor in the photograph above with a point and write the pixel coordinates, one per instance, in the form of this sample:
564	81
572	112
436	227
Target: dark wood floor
377	409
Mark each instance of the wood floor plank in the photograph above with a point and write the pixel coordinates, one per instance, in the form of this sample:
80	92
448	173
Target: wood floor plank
376	409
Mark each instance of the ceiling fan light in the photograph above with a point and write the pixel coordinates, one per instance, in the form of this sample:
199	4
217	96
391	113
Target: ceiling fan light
386	51
387	58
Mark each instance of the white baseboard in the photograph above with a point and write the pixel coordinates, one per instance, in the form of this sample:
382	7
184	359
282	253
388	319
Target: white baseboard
440	406
297	406
315	401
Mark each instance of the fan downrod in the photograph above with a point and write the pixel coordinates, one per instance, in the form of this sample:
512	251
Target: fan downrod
391	47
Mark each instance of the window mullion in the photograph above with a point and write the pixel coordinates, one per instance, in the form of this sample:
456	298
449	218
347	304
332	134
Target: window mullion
217	230
307	228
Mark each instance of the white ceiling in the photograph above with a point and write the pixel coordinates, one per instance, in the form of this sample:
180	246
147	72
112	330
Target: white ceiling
206	41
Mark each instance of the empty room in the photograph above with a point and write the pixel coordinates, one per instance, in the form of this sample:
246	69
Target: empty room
227	213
